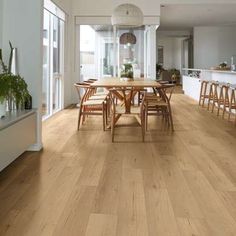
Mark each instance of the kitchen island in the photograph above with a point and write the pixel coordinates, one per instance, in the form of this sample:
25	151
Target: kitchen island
192	79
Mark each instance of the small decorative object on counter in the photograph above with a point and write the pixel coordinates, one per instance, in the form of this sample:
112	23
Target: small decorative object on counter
28	103
233	63
221	66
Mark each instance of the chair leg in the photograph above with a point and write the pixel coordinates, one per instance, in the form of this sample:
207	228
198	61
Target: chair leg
221	97
103	116
143	124
80	115
229	115
112	127
106	110
146	119
209	99
171	118
213	104
200	98
204	98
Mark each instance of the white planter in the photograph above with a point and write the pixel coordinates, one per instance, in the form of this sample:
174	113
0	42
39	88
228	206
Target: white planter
3	108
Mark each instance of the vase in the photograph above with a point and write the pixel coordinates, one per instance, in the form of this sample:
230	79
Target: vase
3	109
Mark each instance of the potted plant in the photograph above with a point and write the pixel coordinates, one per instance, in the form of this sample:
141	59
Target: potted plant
13	88
127	71
4	88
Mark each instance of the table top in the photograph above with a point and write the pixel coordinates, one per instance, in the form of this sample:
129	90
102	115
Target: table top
119	82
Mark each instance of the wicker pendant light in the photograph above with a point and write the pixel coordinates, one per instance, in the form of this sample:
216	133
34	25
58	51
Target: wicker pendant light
127	15
127	38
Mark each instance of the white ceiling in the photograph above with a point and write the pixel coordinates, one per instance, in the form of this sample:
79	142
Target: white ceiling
185	17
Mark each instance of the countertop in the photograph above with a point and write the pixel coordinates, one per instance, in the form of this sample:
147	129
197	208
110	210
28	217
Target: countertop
13	117
208	70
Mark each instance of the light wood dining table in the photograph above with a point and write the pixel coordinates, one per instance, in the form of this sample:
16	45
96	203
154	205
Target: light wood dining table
115	82
135	85
132	87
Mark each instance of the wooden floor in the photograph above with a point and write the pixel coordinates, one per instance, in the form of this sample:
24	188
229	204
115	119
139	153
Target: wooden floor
82	184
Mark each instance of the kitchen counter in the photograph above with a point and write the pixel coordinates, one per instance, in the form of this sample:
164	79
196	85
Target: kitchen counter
192	79
13	117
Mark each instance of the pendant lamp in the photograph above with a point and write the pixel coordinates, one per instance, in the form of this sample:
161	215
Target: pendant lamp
127	15
127	38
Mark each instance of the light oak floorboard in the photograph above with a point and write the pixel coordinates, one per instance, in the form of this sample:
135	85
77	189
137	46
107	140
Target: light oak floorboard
82	184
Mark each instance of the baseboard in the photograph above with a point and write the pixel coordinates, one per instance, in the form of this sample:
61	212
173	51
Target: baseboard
35	147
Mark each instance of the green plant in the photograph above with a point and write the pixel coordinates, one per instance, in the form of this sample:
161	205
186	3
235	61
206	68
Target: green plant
13	88
4	88
127	71
4	67
18	90
223	65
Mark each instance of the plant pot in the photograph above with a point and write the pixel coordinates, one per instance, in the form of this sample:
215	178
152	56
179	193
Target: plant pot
3	109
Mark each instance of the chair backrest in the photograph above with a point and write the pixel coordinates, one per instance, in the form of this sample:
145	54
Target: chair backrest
127	94
169	89
166	91
87	91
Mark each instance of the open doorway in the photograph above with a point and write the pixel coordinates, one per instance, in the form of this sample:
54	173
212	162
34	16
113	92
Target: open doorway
105	49
187	53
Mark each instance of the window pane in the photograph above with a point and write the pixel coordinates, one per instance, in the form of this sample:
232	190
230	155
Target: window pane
46	76
96	51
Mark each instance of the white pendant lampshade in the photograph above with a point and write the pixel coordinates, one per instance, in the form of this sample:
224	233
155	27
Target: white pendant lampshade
127	15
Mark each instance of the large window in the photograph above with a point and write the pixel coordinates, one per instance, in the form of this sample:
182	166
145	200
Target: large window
96	51
53	59
131	49
104	50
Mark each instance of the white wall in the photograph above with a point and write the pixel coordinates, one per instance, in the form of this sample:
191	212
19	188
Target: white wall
1	21
213	45
24	30
172	51
177	53
22	25
167	44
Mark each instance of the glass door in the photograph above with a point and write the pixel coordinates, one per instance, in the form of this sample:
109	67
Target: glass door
130	50
58	63
106	50
96	51
46	66
53	62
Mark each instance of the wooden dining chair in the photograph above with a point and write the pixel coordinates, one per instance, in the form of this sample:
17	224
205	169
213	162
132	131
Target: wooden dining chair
232	104
159	105
91	104
118	109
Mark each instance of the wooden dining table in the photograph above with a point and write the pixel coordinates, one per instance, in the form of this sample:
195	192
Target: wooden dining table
134	85
131	87
115	82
